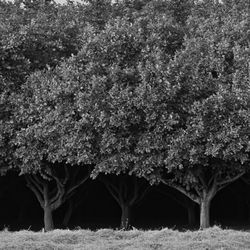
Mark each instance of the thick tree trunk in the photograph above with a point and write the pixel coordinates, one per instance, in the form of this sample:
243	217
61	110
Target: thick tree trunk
48	216
125	217
48	219
43	189
205	212
191	213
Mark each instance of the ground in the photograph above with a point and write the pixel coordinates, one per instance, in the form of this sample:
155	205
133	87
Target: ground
108	239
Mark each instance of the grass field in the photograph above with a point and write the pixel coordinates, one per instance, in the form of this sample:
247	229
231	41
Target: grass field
213	238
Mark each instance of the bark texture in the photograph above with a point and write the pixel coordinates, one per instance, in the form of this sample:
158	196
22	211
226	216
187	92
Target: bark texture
205	213
48	219
125	217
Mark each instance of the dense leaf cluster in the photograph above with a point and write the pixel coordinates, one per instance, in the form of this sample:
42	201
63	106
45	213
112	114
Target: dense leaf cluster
154	89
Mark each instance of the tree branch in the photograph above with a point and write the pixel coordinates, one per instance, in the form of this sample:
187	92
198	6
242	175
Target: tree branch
213	189
57	199
36	182
47	173
173	197
223	184
113	192
144	193
182	190
136	192
212	179
120	193
32	187
46	194
201	179
66	178
70	192
197	191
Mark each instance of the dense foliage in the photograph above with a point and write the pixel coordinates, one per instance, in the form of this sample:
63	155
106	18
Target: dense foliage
156	89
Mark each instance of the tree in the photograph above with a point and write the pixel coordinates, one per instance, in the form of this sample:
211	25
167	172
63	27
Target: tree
89	103
98	12
138	99
7	125
207	145
177	10
50	133
53	190
183	201
113	61
36	35
72	204
128	192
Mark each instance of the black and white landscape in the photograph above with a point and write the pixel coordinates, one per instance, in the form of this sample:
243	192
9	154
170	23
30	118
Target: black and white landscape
125	115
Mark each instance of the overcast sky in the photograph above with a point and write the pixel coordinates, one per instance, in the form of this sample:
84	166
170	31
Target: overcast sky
64	1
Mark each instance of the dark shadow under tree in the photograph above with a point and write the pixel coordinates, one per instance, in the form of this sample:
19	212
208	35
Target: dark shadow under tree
52	189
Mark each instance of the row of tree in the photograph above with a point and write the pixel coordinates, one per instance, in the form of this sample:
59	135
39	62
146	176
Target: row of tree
157	89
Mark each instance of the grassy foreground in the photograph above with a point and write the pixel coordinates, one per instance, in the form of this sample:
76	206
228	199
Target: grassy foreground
213	238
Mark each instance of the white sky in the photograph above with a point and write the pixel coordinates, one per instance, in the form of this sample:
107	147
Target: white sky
64	1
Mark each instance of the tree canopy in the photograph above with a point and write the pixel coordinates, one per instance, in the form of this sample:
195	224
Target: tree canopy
155	89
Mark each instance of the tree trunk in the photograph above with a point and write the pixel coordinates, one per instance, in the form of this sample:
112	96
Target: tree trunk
191	213
125	218
205	212
68	214
48	219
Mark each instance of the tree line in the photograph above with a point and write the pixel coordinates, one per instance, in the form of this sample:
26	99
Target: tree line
128	92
